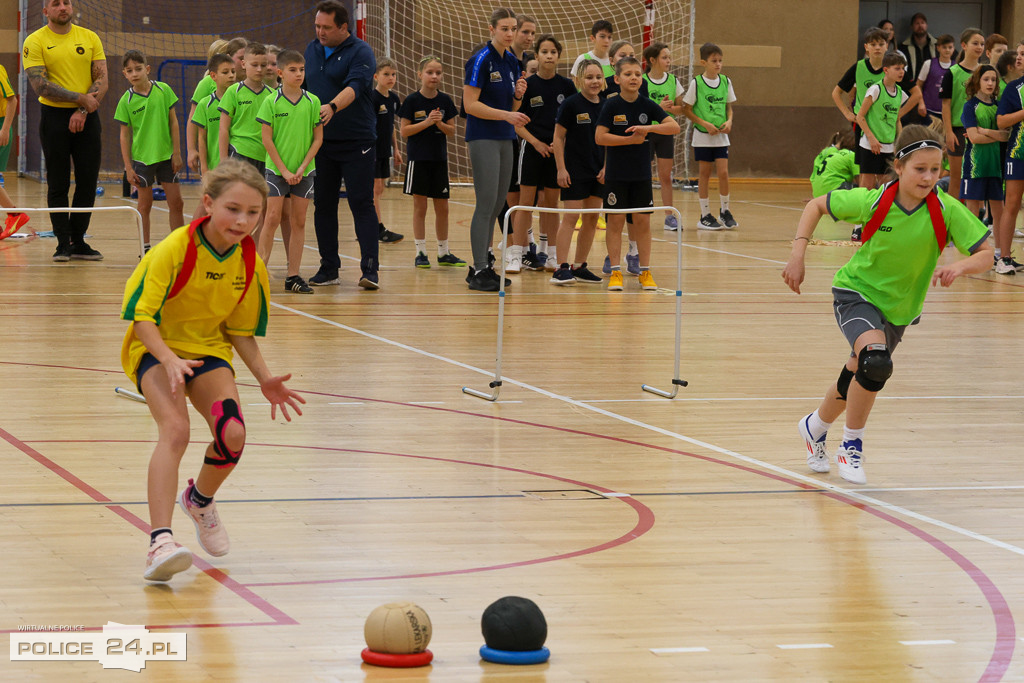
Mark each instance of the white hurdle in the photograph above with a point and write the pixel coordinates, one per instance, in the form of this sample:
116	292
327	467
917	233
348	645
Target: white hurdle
85	209
495	384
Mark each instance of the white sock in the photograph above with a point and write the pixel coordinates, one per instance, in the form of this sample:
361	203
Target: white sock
543	244
551	253
529	237
999	252
516	251
851	434
725	202
421	246
816	426
633	251
442	246
705	205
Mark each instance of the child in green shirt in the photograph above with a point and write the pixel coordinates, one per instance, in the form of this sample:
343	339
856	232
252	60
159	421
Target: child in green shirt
221	70
239	134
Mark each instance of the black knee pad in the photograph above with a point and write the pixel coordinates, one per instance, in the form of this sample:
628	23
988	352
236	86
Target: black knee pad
874	367
225	411
843	383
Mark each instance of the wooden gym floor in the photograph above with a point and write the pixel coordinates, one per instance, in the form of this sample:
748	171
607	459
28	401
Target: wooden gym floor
680	540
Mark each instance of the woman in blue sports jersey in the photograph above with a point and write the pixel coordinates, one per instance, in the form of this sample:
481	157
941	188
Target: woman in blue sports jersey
492	93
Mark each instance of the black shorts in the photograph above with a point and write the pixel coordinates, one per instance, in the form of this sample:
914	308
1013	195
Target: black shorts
160	172
209	363
427	179
382	169
872	163
628	194
710	153
535	170
662	146
513	183
961	141
259	164
581	188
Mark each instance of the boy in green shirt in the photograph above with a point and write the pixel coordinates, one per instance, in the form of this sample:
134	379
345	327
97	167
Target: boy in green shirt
221	70
239	134
292	134
150	146
881	290
879	119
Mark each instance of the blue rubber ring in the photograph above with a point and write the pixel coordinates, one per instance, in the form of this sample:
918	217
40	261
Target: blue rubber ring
513	657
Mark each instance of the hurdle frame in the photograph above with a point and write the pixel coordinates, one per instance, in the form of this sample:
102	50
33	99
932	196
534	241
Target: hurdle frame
86	209
495	384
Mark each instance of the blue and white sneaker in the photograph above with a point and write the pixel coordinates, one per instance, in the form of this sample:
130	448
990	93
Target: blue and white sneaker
817	454
671	223
850	458
607	267
633	264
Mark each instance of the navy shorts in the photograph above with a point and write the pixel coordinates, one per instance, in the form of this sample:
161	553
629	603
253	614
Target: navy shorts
1014	169
581	188
662	146
209	363
710	153
427	178
382	169
534	170
628	194
961	141
981	189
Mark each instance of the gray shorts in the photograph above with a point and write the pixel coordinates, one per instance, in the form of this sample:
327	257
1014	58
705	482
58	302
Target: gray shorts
160	172
259	164
856	316
279	187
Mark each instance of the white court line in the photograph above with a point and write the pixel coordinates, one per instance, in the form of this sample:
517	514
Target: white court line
347	403
771	206
804	646
817	483
929	642
675	650
426	403
732	253
728	399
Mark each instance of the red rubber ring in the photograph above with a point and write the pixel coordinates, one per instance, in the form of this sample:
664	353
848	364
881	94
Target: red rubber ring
397	661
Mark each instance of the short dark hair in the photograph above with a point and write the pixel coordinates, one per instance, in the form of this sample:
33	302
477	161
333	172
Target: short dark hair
602	25
1006	60
547	38
651	53
133	56
918	15
255	49
216	60
286	57
945	39
335	9
875	35
893	58
624	62
708	49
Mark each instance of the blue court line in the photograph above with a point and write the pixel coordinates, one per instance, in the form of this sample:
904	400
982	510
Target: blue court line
378	498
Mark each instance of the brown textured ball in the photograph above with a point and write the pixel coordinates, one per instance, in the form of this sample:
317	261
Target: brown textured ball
398	628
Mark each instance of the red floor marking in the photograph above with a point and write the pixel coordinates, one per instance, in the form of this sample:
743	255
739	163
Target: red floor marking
279	617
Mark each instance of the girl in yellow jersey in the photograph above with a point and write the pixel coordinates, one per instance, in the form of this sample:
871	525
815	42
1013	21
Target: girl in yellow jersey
195	297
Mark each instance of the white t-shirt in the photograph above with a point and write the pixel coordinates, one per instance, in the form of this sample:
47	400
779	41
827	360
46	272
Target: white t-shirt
603	61
706	139
873	92
923	76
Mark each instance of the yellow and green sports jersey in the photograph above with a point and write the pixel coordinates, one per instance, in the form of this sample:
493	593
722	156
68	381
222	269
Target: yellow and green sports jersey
5	91
292	125
893	269
242	104
207	117
147	116
67	57
196	322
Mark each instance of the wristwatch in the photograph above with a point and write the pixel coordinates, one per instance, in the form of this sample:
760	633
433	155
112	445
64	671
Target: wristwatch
333	107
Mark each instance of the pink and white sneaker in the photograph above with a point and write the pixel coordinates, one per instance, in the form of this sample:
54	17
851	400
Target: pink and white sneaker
166	558
210	532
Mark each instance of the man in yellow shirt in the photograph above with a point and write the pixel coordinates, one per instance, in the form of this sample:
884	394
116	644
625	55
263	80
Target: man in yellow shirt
66	67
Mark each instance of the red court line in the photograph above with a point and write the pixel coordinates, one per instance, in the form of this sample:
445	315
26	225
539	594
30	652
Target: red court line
278	616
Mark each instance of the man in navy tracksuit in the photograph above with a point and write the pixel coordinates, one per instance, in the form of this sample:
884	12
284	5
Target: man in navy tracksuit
339	70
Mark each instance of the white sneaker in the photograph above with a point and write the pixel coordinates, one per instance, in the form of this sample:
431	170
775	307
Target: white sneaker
166	558
1004	266
850	458
817	454
1018	234
513	263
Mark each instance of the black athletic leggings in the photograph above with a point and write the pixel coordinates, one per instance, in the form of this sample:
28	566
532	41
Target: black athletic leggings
60	148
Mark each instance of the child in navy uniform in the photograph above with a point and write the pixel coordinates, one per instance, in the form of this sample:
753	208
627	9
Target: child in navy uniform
386	104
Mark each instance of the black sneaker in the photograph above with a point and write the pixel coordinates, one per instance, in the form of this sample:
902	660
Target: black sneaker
582	274
708	222
369	281
490	258
422	261
83	252
325	276
295	283
450	260
62	254
563	276
387	237
481	280
727	220
493	274
532	261
855	234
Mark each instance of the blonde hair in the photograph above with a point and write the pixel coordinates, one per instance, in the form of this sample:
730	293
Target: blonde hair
216	47
427	60
231	171
577	77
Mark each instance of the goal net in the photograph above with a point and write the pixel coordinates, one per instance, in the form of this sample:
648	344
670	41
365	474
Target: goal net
407	30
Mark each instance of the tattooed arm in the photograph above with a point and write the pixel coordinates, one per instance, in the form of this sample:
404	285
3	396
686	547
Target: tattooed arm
44	87
99	80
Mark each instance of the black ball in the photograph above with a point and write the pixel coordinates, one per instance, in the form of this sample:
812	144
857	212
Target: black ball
514	623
